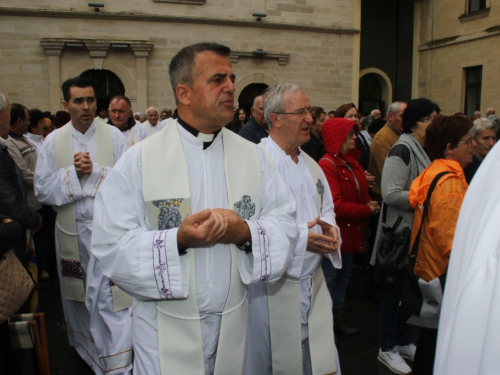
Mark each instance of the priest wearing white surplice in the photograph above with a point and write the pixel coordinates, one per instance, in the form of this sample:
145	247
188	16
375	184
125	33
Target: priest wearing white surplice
205	215
469	326
72	165
290	322
153	124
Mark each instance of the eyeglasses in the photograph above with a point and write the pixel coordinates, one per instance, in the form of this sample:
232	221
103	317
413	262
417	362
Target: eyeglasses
427	119
351	134
298	112
469	141
352	116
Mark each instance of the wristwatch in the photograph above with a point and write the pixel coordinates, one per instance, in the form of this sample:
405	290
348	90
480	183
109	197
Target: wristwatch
246	247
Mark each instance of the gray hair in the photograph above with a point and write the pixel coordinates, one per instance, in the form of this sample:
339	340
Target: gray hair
152	109
482	124
394	108
3	102
181	66
274	98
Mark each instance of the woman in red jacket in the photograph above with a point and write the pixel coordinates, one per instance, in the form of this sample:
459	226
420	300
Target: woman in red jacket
353	206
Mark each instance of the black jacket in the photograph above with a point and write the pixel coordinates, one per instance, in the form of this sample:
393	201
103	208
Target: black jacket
365	151
472	168
12	204
253	132
10	234
314	148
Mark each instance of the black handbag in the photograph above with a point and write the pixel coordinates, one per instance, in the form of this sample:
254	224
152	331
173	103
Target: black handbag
392	253
422	298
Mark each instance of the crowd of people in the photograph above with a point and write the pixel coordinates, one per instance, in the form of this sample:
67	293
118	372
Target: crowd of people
211	240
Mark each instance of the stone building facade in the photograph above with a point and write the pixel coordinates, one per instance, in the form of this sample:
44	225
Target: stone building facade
315	43
364	51
458	54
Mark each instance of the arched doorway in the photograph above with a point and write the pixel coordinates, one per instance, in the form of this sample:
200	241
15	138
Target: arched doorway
107	84
370	94
375	90
248	94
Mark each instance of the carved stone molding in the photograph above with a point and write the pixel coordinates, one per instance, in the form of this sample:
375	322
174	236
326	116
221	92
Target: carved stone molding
52	48
195	2
98	49
259	55
141	49
97	52
177	19
475	15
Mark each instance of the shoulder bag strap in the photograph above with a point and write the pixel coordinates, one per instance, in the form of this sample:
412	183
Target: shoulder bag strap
414	248
331	161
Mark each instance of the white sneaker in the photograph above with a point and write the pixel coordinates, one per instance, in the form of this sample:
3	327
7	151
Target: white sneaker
394	361
407	351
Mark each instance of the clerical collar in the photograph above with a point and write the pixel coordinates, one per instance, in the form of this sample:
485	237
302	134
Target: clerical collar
206	138
130	124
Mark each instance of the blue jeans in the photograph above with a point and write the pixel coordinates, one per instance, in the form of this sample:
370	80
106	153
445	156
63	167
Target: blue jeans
394	329
337	279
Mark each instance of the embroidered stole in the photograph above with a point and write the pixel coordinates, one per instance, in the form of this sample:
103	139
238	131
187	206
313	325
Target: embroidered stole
133	135
74	284
284	310
167	200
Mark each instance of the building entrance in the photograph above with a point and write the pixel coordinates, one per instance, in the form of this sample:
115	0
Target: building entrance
107	84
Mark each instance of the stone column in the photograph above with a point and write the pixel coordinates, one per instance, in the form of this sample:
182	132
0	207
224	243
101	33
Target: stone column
53	50
141	52
356	55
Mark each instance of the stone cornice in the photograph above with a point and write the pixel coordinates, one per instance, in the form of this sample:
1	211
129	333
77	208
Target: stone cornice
446	42
173	19
96	44
281	57
474	15
97	48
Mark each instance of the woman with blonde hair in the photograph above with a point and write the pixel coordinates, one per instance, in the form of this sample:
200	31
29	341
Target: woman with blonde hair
353	206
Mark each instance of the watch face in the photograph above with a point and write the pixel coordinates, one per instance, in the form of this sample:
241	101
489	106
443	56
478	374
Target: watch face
247	246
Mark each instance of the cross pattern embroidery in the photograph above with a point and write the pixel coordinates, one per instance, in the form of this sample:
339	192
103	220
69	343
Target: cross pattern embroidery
168	216
321	191
71	268
245	208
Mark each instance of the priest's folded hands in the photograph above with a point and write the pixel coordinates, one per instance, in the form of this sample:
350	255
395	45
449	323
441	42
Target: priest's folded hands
322	243
212	226
83	164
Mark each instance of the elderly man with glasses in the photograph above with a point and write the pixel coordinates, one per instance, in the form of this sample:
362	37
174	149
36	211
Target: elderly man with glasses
290	322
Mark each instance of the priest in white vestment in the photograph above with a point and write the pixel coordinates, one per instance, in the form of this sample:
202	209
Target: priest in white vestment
152	125
121	116
469	325
308	332
72	165
193	192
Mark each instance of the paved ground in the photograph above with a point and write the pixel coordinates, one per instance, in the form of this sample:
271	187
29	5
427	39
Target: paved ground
358	354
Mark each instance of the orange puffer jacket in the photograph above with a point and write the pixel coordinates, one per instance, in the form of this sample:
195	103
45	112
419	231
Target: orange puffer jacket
438	230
